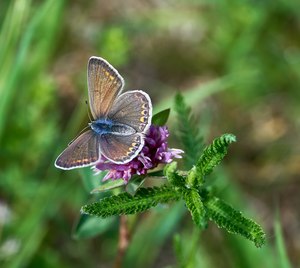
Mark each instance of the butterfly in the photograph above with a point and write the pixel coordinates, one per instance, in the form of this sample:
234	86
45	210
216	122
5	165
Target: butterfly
120	120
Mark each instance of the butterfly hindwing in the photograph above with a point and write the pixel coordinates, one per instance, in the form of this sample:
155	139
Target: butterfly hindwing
104	85
132	108
83	151
119	148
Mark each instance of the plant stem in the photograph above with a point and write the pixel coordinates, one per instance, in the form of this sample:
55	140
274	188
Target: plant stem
124	238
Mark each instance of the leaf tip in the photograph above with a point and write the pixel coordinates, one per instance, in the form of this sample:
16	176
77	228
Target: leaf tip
83	211
230	138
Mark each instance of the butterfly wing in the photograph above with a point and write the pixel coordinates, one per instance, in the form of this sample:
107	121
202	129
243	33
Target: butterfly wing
104	85
121	149
83	151
132	108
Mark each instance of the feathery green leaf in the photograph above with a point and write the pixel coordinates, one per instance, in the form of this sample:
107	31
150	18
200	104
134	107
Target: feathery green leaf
233	221
195	206
188	131
173	177
214	153
194	178
125	203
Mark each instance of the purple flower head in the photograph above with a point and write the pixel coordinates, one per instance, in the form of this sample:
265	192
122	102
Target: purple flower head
154	152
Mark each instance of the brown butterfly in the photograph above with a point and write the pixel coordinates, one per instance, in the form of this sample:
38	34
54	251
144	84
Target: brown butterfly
119	120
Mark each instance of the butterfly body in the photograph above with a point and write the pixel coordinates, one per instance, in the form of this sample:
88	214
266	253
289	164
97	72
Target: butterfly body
120	120
107	126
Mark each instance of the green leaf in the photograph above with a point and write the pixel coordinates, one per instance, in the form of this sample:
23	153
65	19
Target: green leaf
124	203
89	180
188	131
112	184
213	154
195	206
89	226
194	178
233	221
132	187
153	174
173	177
161	118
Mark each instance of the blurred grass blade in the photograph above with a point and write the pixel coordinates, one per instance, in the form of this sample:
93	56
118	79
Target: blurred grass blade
106	186
9	89
89	179
151	234
198	93
11	30
89	226
281	248
31	221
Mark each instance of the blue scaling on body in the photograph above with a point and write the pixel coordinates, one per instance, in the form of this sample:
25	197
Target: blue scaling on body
108	126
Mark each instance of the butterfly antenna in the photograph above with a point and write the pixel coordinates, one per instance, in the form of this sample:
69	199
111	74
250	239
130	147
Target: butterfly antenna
78	134
88	111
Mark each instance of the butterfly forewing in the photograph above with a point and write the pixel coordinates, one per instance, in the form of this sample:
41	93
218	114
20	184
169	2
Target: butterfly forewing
121	149
132	108
83	151
104	85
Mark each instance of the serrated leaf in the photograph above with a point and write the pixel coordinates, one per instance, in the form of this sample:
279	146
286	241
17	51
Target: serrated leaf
188	131
161	118
195	206
233	221
213	154
173	177
194	178
124	203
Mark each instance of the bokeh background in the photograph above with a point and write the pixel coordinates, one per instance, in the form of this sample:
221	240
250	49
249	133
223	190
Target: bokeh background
238	65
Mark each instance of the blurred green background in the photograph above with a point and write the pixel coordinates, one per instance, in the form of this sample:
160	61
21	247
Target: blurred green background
238	65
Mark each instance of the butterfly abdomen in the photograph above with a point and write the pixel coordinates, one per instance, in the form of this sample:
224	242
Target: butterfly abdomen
107	126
